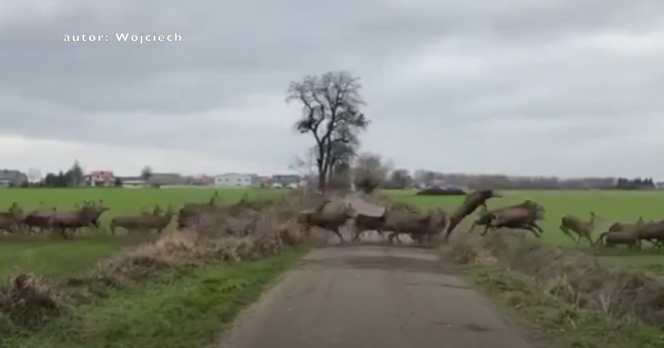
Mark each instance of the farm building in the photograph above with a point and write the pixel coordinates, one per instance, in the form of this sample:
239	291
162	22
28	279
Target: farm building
237	179
287	180
200	180
166	179
11	177
132	181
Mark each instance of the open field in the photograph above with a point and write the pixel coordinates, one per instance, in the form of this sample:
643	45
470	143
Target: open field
56	257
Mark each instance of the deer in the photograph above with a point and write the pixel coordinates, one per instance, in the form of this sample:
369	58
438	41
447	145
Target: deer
329	221
369	223
469	205
522	216
143	221
39	218
486	216
420	228
63	220
652	231
629	234
190	212
571	224
157	221
98	209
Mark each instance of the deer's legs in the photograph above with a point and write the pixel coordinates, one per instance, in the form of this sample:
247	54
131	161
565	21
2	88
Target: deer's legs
338	233
566	232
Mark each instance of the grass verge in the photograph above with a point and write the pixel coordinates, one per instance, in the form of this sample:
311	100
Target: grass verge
177	310
553	319
56	257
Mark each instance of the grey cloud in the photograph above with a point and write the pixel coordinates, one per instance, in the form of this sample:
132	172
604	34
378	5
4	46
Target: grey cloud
524	66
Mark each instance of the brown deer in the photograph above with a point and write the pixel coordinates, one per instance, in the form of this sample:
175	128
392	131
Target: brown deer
628	234
652	231
331	221
143	222
486	217
39	220
521	216
420	228
157	221
571	224
98	208
619	226
190	213
365	223
61	221
469	205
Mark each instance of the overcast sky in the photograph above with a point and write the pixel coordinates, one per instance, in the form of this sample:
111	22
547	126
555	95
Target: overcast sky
537	87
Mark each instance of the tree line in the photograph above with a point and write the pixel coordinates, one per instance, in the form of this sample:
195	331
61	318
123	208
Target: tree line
75	177
72	177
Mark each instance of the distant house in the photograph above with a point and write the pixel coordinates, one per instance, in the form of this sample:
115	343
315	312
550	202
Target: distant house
100	178
167	179
287	180
10	177
237	179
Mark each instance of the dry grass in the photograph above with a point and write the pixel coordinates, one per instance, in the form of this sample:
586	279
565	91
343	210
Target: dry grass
623	295
244	231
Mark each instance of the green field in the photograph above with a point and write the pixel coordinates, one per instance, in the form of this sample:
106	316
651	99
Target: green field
57	257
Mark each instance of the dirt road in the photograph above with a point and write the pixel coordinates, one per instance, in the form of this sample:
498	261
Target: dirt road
371	296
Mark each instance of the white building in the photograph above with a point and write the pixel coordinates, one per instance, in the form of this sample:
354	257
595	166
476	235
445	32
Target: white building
237	179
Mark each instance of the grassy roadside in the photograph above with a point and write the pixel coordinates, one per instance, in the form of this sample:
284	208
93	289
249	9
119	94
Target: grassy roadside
178	310
553	319
54	257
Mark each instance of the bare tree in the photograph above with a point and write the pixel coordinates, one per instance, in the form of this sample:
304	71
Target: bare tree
370	172
331	114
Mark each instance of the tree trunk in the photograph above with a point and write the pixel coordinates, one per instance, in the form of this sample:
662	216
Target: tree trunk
322	179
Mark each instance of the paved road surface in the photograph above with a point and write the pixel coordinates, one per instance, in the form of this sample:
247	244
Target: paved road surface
371	296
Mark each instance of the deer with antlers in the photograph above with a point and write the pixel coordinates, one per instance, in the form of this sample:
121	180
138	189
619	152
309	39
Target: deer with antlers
571	224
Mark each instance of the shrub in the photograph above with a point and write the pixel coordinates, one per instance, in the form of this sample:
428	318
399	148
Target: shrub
623	295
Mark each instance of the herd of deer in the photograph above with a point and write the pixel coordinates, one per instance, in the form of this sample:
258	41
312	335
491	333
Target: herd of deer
87	215
397	219
424	228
